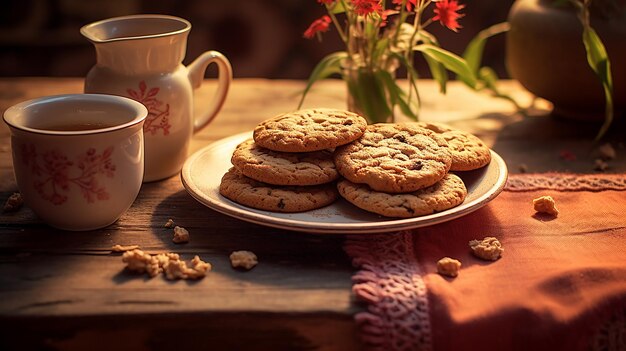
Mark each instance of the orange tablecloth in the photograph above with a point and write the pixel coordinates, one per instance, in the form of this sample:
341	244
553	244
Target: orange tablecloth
556	287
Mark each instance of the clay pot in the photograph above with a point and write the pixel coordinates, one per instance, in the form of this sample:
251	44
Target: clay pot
545	53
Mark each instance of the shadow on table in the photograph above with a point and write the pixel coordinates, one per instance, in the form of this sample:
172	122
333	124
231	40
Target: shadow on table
286	258
541	141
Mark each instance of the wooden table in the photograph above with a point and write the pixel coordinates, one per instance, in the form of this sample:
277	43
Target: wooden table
66	290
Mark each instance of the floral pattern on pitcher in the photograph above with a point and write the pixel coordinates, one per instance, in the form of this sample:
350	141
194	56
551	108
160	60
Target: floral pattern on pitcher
55	173
158	112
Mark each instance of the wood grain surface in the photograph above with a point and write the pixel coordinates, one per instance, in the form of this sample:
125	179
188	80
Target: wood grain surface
66	290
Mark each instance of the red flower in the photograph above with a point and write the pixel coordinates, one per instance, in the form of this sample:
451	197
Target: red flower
319	25
410	4
385	15
365	7
446	13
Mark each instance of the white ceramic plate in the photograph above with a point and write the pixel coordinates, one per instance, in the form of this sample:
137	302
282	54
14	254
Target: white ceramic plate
203	171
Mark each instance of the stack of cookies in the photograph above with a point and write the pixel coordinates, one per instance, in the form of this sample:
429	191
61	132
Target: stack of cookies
395	170
288	166
401	170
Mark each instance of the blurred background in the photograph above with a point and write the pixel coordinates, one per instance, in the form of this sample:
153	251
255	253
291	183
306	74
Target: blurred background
262	38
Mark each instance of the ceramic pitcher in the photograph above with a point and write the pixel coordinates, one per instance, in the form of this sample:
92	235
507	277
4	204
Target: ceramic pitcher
141	57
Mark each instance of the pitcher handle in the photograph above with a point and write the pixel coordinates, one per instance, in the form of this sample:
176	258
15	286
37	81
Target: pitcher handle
196	76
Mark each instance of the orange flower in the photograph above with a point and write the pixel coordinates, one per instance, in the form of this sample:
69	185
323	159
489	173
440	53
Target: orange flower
410	4
446	13
318	26
365	7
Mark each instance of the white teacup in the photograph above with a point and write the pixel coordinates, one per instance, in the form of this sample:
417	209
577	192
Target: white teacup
78	159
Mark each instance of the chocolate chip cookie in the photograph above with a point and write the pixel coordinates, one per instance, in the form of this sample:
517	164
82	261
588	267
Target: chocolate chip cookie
395	158
446	193
467	150
263	196
309	130
284	168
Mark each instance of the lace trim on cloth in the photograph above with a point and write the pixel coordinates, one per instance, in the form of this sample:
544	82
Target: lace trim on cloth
390	281
566	182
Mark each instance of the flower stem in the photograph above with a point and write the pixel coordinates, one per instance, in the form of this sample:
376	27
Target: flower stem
399	23
427	23
343	35
410	54
348	13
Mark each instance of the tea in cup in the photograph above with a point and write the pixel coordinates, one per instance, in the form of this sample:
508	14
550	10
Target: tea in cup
78	159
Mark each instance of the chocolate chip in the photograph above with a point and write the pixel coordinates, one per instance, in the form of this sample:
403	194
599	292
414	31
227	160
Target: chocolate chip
347	122
417	165
400	138
281	204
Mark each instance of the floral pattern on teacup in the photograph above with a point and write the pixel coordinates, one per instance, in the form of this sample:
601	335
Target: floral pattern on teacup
54	173
158	112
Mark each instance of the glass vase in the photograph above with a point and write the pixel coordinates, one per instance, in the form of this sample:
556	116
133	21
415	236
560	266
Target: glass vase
367	93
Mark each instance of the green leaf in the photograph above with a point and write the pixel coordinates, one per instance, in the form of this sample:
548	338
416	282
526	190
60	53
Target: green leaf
337	8
387	79
427	37
486	78
489	78
451	61
598	60
413	76
379	50
437	70
474	52
408	105
597	56
328	66
398	96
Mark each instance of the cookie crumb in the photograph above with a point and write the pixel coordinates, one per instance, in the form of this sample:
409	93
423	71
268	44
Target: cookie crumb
164	258
13	203
140	262
169	264
448	266
169	223
123	248
489	248
607	152
523	168
600	165
175	269
243	259
198	269
545	204
181	235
